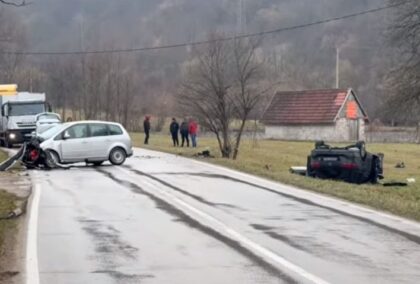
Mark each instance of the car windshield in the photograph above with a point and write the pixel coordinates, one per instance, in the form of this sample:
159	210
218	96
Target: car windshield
48	116
26	109
51	132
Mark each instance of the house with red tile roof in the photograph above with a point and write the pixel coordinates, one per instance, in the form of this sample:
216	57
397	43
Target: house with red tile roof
334	115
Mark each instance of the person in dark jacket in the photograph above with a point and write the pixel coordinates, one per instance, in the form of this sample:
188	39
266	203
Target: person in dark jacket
185	133
146	127
174	129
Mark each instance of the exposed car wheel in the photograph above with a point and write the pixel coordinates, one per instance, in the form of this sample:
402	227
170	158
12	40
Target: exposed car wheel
117	156
319	144
97	164
362	147
1	143
51	159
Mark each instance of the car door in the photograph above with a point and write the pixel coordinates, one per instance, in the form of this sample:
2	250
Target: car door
74	144
99	141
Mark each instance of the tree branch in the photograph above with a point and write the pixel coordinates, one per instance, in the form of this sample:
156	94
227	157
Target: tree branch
16	4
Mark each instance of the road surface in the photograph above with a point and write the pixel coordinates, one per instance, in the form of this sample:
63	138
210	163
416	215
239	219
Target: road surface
166	219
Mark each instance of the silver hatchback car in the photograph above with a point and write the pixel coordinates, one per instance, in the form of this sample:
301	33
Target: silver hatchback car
87	141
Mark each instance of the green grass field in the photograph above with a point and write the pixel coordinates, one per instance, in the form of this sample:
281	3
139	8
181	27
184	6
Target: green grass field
272	160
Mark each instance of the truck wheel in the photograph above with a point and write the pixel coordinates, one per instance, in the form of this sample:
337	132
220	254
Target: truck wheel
7	144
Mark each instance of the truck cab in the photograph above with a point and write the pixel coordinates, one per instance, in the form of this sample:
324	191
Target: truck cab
18	116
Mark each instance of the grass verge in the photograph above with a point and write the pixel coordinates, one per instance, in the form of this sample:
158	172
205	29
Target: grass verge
7	204
3	156
272	160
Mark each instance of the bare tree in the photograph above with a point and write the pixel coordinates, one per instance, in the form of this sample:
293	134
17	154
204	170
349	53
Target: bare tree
404	79
15	3
248	91
205	92
12	38
223	85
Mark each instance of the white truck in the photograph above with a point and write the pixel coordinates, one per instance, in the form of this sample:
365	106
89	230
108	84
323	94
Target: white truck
18	116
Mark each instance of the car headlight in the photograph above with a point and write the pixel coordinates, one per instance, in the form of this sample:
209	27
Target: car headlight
12	136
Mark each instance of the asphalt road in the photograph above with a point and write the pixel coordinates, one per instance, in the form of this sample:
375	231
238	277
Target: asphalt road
165	219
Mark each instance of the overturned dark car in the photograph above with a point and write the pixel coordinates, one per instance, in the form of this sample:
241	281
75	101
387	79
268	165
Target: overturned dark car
351	164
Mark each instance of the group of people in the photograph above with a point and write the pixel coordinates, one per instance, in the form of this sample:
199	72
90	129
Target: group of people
187	129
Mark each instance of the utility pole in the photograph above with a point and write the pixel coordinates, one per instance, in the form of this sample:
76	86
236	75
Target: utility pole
82	98
241	17
337	68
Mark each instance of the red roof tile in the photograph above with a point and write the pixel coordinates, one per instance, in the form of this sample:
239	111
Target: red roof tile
305	107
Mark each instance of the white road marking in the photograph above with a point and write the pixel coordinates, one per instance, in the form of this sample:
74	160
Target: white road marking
225	230
32	270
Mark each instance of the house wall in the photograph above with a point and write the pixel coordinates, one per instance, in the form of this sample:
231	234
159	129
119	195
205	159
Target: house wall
338	132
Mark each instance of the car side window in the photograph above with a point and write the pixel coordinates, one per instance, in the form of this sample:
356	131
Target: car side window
115	130
78	131
97	130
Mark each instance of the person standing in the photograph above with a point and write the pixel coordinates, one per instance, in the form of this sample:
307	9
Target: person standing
146	127
174	129
184	133
193	129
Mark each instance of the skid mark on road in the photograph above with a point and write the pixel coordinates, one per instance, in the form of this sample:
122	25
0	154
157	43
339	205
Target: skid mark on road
193	196
126	278
411	237
111	250
306	244
191	222
107	240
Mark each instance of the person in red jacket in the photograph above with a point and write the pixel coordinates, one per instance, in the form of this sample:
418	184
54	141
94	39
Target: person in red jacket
193	130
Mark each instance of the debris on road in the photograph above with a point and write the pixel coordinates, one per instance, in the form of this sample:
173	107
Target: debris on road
411	180
298	170
204	154
12	214
395	183
400	165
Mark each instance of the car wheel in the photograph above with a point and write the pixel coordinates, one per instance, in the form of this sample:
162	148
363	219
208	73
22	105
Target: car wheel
319	144
117	156
1	143
51	159
97	164
362	147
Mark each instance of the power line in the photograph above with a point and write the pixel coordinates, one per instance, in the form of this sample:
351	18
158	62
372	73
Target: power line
195	43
